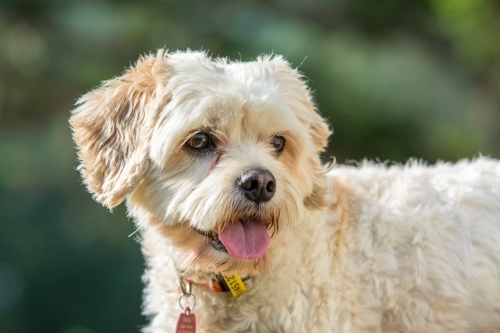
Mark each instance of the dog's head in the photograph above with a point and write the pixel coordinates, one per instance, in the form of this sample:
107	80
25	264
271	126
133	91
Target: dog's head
215	156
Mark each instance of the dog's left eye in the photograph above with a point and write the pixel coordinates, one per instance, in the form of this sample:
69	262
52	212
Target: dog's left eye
199	141
278	143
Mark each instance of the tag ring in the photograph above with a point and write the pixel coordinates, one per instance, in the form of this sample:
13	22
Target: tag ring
186	292
188	306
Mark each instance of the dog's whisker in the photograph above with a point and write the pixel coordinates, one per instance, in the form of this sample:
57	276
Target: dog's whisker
135	231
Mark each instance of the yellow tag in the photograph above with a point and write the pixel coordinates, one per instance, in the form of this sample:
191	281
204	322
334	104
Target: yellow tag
235	284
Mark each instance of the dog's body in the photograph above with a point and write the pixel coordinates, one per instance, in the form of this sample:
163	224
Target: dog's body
220	166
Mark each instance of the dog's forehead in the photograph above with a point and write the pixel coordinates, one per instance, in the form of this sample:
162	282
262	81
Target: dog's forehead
212	92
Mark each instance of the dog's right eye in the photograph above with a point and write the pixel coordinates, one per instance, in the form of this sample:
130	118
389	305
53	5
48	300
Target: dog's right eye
199	141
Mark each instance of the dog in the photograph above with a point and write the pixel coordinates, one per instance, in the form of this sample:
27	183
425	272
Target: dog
218	162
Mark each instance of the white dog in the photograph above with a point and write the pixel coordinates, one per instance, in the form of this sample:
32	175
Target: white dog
219	163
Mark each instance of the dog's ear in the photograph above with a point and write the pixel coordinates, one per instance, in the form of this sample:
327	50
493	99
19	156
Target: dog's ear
319	131
112	126
304	107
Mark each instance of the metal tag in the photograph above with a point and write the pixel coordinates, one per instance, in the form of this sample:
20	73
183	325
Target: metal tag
235	284
186	323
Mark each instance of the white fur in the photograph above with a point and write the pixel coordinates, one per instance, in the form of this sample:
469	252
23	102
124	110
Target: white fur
371	248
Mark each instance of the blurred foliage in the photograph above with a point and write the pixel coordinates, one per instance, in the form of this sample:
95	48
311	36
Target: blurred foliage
396	79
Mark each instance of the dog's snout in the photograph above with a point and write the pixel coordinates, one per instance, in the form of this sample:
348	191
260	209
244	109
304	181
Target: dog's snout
258	185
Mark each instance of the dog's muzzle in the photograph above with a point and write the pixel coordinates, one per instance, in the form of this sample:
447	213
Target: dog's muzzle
246	237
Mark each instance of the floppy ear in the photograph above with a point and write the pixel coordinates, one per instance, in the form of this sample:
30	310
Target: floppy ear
304	107
112	126
302	103
319	131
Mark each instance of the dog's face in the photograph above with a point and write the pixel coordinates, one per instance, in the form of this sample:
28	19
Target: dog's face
215	157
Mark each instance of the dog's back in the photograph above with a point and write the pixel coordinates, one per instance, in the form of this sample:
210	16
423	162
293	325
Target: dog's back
424	244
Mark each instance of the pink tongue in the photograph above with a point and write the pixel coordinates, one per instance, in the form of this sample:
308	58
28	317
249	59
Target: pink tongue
245	239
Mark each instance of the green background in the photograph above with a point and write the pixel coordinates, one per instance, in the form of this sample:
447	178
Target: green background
396	79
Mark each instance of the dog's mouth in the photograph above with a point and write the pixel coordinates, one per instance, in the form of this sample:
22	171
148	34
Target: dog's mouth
214	239
244	239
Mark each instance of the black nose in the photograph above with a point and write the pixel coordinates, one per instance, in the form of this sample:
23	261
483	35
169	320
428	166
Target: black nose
257	185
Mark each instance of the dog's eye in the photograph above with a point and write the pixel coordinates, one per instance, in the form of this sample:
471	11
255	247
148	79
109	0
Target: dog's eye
199	141
278	143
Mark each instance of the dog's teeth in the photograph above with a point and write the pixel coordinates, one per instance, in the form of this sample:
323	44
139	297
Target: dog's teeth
216	244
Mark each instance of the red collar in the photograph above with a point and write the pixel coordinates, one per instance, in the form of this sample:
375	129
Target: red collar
215	285
219	284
